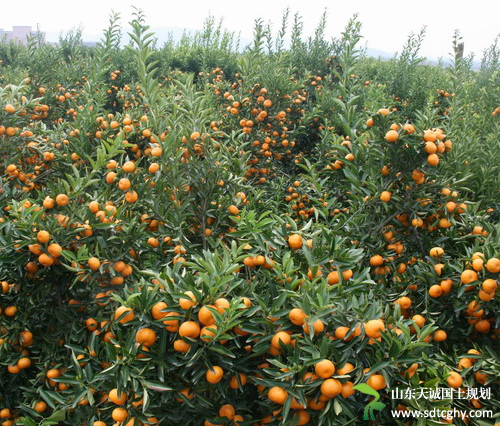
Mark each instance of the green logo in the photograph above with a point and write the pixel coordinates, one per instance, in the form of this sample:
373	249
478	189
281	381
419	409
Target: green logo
373	405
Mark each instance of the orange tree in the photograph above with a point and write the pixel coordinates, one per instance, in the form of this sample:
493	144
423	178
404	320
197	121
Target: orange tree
147	280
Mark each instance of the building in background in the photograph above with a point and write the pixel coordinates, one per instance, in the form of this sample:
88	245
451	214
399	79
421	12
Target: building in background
19	33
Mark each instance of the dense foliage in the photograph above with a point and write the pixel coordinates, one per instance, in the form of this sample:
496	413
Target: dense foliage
200	234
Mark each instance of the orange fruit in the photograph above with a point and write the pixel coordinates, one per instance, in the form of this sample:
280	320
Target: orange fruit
215	374
302	417
233	210
295	241
207	333
187	302
222	304
62	200
330	388
318	327
181	346
377	382
24	363
94	263
119	414
280	337
189	329
233	383
126	318
297	316
157	309
468	276
489	286
435	291
436	252
227	411
376	260
385	196
40	406
373	328
493	265
205	316
54	250
433	160
440	336
43	237
324	369
117	397
346	369
454	380
347	389
404	302
145	336
391	136
277	395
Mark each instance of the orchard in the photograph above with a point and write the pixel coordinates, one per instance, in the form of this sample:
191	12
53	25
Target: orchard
197	234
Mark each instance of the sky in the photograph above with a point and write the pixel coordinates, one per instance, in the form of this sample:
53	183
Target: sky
386	23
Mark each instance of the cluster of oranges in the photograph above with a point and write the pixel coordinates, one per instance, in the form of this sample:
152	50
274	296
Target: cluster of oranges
266	118
144	282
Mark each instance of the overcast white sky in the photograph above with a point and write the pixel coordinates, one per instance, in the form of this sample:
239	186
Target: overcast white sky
386	23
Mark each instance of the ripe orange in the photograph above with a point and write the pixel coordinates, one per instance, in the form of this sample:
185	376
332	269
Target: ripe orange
145	336
373	328
391	136
62	200
404	302
54	250
376	381
297	316
222	304
233	383
187	302
280	337
227	411
126	318
43	237
40	406
119	414
295	241
277	395
233	210
435	291
347	389
181	346
440	336
468	276
207	333
205	316
330	388
346	369
489	286
324	369
189	329
117	397
94	263
433	160
157	309
376	260
493	265
385	196
24	363
318	327
454	380
215	374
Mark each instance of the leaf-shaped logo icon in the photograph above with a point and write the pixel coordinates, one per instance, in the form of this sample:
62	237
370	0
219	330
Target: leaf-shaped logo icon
373	405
